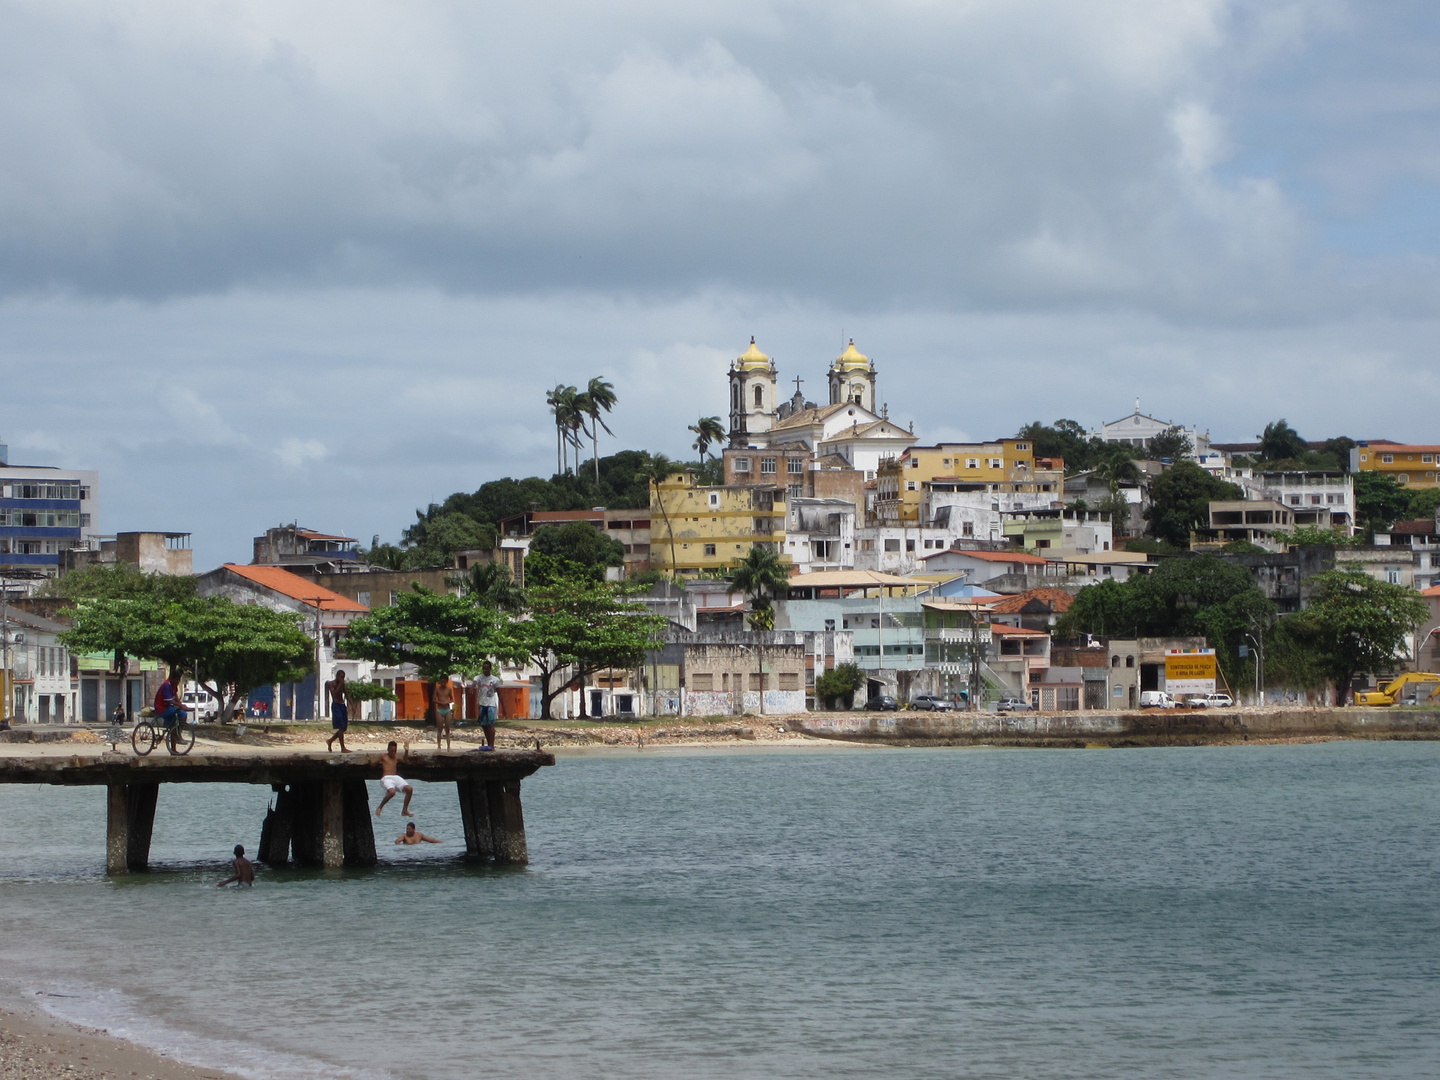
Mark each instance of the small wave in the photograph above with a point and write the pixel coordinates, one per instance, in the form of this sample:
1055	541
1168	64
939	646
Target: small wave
119	1015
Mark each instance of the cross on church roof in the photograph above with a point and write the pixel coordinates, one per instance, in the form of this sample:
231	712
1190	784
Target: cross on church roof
797	384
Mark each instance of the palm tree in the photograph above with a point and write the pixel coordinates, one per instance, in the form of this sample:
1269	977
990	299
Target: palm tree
657	470
599	395
564	404
762	577
707	429
492	585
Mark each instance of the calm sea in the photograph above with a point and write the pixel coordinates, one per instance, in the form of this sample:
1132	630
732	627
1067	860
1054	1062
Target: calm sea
1218	912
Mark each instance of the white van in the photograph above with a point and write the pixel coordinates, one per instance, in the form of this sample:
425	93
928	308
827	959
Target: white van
1156	699
201	703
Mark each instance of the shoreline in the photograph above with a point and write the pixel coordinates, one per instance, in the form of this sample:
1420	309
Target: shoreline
35	1045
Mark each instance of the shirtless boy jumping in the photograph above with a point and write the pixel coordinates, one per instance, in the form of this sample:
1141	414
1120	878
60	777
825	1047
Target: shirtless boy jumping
391	781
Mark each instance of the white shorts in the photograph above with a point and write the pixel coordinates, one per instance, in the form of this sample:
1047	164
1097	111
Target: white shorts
392	783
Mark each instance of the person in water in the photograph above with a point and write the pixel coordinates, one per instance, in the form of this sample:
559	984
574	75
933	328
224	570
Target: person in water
243	867
412	835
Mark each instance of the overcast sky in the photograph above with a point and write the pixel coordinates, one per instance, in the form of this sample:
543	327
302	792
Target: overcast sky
267	261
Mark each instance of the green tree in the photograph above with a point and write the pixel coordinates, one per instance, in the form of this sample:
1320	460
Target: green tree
120	581
230	648
1355	624
579	544
762	577
1172	443
657	471
490	584
576	627
708	430
839	683
1180	500
1337	450
1280	442
1379	501
1064	439
599	397
566	408
1423	504
389	556
433	541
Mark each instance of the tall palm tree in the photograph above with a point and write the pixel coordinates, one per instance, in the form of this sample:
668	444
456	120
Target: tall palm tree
707	429
657	470
564	405
599	396
762	577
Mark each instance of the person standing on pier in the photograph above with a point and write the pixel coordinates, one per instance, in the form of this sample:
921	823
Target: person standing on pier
339	710
487	697
444	710
391	780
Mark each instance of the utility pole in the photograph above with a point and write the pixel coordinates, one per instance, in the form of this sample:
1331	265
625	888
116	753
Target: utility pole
5	678
319	641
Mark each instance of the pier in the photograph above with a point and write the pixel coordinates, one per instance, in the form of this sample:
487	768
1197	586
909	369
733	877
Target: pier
322	815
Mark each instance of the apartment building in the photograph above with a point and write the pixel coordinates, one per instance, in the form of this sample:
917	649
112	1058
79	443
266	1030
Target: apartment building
697	530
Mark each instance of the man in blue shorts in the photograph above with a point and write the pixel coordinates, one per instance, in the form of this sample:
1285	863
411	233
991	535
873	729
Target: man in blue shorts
339	711
487	697
168	709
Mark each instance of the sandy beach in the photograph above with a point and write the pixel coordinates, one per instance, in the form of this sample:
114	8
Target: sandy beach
34	1046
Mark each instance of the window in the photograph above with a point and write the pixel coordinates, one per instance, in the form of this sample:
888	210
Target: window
972	463
709	549
1022	446
362	598
909	545
910	485
1428	459
1115	661
1404	478
795	466
1364	457
702	680
796	491
392	599
1314	500
914	463
714	500
829	625
1129	661
997	463
1387	459
84	521
967	528
789	680
1043	542
759	397
1294	500
892	545
742	464
767	466
1392	575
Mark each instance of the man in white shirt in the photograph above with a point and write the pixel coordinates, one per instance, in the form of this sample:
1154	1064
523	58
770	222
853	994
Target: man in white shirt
487	697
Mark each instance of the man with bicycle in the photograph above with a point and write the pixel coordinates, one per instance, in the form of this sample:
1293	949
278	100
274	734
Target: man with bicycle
168	710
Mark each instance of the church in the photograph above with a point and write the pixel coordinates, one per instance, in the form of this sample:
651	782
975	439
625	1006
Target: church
852	427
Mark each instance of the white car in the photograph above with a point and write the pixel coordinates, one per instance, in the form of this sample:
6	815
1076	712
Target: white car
1210	701
201	703
1156	699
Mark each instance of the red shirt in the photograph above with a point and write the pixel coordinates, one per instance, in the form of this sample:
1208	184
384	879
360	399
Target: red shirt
165	696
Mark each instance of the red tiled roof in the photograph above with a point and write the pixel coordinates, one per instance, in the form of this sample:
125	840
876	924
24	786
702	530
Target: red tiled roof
1058	599
311	534
992	556
1015	631
568	515
1434	590
296	587
1423	527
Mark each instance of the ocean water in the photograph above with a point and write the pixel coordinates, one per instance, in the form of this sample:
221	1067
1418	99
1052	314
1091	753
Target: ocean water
1212	912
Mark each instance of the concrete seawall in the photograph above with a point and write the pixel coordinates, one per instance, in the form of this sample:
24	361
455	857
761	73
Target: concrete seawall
1152	727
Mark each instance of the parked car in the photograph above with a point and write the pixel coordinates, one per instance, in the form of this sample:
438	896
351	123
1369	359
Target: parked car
1156	699
201	704
931	703
882	703
1014	704
1210	701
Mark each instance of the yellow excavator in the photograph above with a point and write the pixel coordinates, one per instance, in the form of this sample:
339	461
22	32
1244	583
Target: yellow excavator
1426	684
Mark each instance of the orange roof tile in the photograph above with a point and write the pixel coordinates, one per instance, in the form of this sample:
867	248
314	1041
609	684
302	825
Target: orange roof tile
296	587
1058	599
1434	590
1015	631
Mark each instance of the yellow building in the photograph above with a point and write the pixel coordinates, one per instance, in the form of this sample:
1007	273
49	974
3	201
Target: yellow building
1005	465
697	529
1410	466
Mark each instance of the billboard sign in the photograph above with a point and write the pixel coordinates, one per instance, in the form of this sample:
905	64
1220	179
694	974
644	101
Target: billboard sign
1189	672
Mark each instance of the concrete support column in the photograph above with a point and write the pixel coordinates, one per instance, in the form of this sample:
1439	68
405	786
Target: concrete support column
475	816
359	825
279	828
507	823
332	824
130	820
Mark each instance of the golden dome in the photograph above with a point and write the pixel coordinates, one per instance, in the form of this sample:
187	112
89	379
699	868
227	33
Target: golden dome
852	359
753	358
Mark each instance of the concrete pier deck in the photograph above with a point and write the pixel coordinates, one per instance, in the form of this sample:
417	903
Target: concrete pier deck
322	815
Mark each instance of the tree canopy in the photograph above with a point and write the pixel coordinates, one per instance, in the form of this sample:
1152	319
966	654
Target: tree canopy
439	633
1180	500
576	548
230	648
762	577
1355	624
120	581
1379	501
1171	444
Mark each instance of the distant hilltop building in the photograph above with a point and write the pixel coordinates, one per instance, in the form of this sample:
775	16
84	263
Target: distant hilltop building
1138	429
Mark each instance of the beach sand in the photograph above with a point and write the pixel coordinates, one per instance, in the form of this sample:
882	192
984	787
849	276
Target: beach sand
34	1046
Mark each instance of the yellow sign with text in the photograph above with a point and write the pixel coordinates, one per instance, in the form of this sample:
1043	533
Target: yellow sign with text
1190	673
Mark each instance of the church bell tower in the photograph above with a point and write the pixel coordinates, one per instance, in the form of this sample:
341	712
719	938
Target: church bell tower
852	379
754	395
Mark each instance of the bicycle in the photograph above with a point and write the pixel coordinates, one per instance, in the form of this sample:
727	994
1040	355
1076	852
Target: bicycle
178	738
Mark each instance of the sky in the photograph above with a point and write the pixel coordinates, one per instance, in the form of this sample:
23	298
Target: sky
266	261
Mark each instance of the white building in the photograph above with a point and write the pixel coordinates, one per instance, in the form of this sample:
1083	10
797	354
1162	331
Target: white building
1138	429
